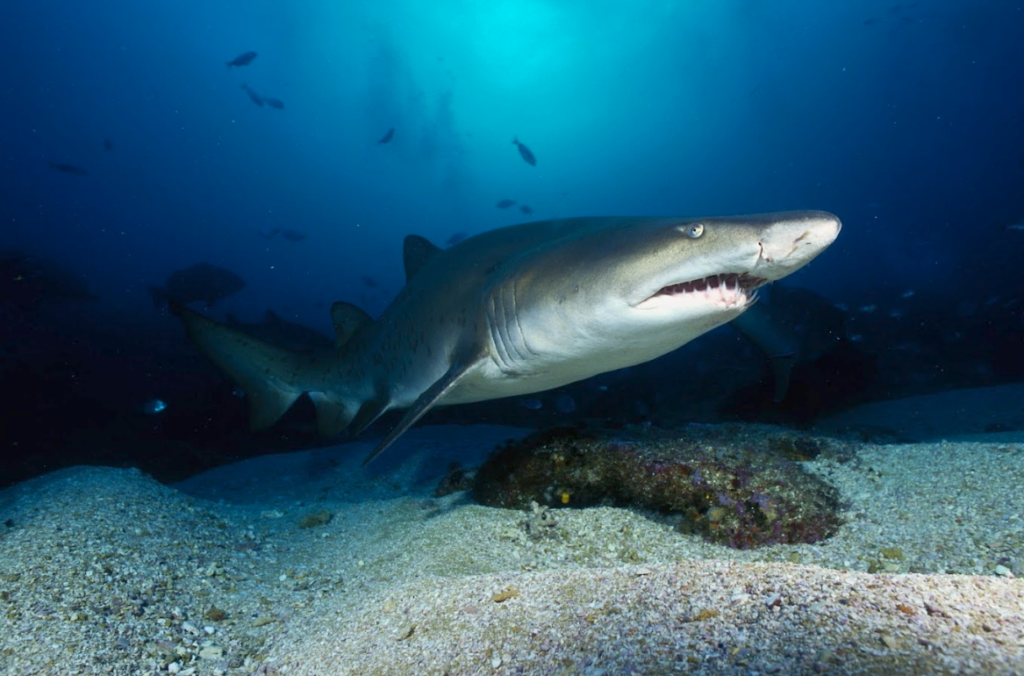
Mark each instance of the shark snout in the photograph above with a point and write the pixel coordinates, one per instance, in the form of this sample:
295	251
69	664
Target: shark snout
793	241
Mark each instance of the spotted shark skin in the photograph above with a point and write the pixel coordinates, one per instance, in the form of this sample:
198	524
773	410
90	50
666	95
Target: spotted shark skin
519	310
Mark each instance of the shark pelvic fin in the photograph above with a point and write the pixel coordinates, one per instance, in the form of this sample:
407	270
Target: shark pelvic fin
424	403
416	251
347	319
368	412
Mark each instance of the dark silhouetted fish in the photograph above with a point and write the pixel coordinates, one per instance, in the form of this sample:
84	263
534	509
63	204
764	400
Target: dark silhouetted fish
202	281
68	168
108	144
293	235
368	280
256	98
456	238
387	137
242	59
280	332
525	152
274	103
27	281
526	209
268	233
505	203
791	326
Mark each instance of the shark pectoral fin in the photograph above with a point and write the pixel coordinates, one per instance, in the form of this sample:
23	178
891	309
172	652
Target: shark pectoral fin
416	252
347	319
332	415
424	403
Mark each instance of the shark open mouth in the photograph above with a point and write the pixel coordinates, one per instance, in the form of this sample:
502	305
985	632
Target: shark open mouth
729	289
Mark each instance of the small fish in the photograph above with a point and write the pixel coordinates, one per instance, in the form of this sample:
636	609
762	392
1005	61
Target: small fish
909	293
842	307
108	144
387	137
456	238
526	209
153	407
505	203
368	280
565	403
293	235
242	59
525	152
256	98
274	103
531	403
68	168
868	309
268	233
895	314
1016	226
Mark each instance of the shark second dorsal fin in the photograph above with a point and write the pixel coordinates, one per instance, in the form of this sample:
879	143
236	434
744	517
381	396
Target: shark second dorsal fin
347	319
424	403
416	252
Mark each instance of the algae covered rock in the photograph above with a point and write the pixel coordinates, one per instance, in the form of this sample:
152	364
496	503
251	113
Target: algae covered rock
734	485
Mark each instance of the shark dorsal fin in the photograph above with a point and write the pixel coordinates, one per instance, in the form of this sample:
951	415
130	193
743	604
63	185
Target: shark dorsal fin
416	252
347	319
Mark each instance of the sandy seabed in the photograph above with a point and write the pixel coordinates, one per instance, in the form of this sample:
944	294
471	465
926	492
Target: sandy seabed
305	564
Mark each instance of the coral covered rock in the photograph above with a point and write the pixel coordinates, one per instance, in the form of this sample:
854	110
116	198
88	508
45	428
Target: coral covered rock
735	485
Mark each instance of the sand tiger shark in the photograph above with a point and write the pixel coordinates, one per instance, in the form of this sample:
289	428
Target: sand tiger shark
519	310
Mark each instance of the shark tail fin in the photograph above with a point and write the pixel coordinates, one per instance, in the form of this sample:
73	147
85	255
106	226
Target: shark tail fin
272	377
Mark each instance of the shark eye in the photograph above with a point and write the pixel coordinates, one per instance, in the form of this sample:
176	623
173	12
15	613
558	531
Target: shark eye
694	230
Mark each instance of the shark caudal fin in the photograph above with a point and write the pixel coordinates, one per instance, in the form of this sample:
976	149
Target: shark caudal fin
272	377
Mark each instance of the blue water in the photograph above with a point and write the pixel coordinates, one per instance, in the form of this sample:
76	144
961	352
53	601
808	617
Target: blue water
905	119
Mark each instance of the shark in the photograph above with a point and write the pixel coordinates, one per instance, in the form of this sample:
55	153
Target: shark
519	310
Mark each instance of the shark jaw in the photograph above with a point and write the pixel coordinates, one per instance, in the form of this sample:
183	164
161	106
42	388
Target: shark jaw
727	291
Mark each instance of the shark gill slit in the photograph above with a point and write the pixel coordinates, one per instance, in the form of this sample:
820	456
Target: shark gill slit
494	326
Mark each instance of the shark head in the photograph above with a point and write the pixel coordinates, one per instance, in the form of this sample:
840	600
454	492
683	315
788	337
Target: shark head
625	291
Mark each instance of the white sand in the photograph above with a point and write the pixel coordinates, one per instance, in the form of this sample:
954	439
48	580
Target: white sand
106	571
